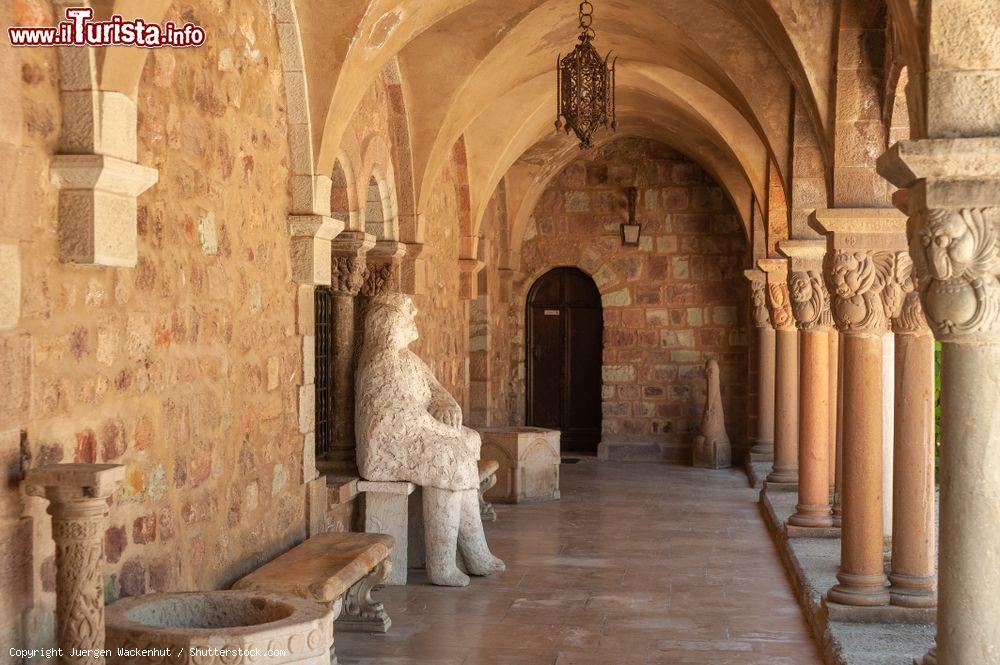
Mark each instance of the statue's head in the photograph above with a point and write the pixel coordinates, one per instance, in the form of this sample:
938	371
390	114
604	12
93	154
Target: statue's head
391	320
711	369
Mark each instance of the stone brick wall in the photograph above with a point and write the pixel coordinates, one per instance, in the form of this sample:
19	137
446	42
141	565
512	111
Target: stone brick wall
669	304
184	369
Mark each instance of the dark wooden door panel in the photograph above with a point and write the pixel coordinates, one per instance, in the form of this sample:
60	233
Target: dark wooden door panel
564	336
584	350
547	367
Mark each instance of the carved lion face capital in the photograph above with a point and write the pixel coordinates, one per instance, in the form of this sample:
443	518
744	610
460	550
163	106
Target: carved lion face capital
956	257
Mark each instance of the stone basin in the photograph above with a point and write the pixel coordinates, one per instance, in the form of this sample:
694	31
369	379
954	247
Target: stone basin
224	627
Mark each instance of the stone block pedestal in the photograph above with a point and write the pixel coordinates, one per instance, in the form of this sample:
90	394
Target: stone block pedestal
386	511
529	463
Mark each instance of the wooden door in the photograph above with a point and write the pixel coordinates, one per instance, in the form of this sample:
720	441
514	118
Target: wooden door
564	320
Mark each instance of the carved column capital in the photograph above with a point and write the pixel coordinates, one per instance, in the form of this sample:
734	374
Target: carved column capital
857	281
382	269
758	297
347	264
950	188
862	244
778	304
902	297
806	288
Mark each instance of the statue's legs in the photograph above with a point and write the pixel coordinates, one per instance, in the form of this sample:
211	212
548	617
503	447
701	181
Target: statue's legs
472	540
442	514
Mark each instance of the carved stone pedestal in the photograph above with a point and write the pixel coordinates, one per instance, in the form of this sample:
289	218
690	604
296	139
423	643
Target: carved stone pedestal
359	612
77	495
529	460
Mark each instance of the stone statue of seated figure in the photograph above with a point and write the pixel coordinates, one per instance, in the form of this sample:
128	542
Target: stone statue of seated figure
409	428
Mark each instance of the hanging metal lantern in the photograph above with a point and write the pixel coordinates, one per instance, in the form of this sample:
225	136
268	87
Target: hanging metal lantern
585	86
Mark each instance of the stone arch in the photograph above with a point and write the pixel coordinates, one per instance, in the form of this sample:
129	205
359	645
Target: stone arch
310	192
343	192
402	155
896	113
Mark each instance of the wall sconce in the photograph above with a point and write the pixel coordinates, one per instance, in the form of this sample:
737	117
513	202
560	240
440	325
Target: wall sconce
631	229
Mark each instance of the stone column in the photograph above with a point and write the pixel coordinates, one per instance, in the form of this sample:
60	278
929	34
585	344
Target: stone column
786	374
952	196
78	503
811	309
838	489
912	574
763	446
834	377
347	273
860	255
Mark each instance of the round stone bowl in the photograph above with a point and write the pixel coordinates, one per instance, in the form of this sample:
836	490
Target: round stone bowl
218	627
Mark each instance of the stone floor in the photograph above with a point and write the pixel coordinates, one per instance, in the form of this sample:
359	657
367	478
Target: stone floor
638	563
814	563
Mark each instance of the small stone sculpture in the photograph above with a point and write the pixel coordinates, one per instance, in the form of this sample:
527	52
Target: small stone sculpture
712	449
409	428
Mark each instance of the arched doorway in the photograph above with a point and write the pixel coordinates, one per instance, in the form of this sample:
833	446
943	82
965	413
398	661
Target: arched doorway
564	345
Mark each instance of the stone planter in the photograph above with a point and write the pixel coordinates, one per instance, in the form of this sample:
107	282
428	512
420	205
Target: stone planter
529	463
230	627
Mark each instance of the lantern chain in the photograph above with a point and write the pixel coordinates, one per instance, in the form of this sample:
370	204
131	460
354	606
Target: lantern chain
586	19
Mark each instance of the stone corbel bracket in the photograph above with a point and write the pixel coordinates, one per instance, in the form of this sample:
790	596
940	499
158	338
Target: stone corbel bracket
778	304
97	208
468	283
310	246
861	251
758	297
807	291
96	170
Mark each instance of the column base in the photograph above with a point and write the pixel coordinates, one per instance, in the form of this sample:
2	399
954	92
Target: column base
929	659
838	517
862	590
784	476
912	590
814	516
762	450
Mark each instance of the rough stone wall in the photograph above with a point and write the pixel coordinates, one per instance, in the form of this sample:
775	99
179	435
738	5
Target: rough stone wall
669	304
489	356
443	318
183	369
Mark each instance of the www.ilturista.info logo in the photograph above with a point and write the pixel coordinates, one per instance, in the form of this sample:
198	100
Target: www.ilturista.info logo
80	30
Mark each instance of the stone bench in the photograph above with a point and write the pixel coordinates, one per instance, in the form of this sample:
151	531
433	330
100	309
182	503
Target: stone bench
335	569
487	479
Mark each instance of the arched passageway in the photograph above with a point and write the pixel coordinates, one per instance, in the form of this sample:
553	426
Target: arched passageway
187	237
564	332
